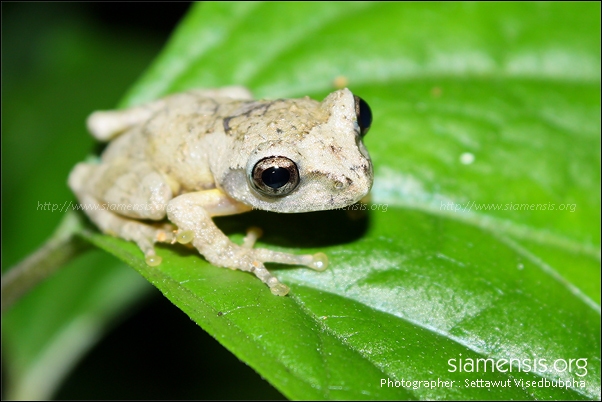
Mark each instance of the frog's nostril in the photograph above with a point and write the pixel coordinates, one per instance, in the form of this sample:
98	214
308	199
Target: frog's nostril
341	184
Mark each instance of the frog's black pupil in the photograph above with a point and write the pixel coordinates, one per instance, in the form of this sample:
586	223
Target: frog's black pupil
364	116
275	177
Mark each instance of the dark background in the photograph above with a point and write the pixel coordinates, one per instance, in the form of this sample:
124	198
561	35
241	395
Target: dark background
121	366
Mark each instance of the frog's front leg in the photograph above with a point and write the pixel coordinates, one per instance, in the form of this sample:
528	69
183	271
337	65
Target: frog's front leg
192	213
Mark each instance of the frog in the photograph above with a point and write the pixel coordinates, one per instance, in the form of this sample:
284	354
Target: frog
172	165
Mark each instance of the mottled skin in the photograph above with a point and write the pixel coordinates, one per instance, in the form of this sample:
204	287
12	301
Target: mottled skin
191	156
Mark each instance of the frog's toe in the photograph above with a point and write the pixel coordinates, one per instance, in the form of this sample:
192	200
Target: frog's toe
317	261
276	287
150	257
145	236
279	289
185	236
153	260
253	233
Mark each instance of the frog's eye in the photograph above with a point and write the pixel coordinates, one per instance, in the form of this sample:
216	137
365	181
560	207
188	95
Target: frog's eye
275	175
364	115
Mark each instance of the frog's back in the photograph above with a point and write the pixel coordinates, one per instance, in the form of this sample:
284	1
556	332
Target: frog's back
171	133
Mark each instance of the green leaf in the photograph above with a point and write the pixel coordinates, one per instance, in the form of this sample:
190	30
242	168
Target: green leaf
482	241
484	115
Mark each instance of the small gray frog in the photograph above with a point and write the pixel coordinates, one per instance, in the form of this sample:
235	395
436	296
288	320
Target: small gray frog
215	152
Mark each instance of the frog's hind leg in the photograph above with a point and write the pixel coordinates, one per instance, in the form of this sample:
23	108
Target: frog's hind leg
84	181
232	92
144	235
105	125
133	189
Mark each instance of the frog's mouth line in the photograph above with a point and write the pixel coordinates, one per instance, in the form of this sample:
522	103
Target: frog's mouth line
303	201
